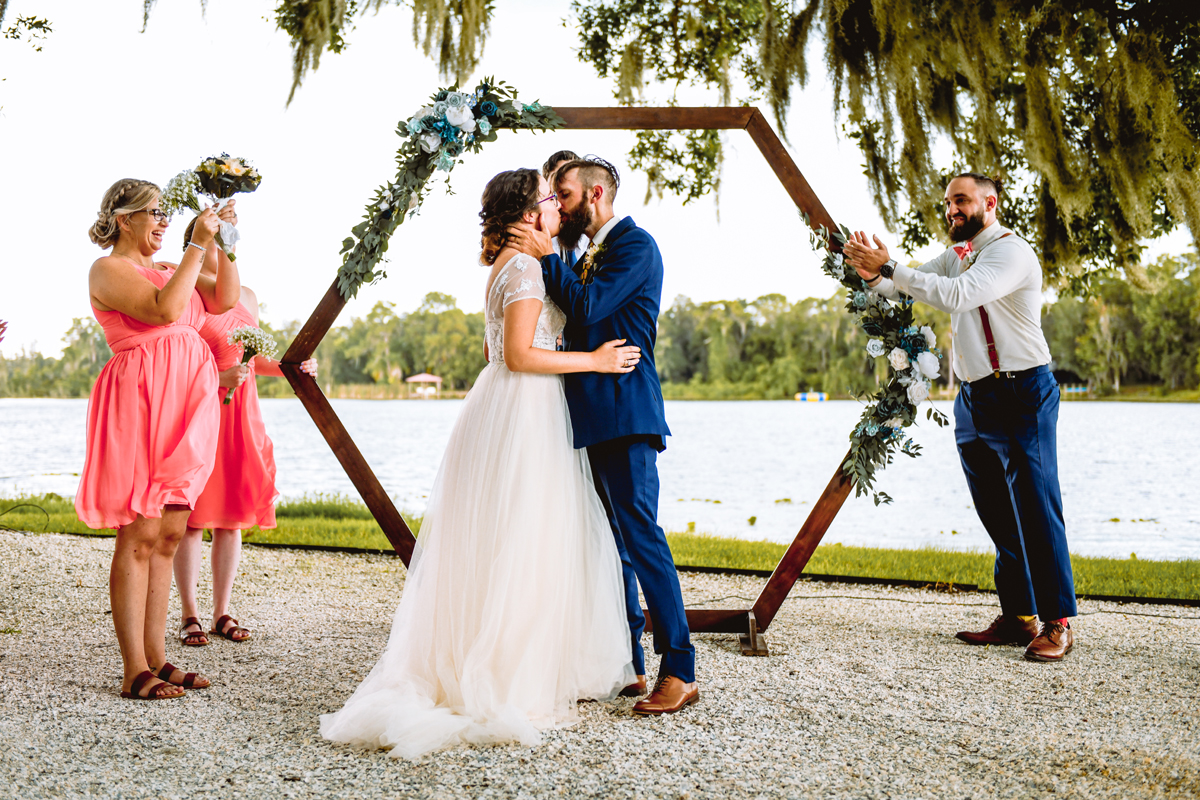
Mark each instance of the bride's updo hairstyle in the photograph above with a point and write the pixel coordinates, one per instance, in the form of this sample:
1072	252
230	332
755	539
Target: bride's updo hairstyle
123	197
506	199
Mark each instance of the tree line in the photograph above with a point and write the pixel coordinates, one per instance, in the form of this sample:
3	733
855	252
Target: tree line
769	348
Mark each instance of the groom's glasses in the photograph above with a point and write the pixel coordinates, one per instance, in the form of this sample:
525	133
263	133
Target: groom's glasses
553	197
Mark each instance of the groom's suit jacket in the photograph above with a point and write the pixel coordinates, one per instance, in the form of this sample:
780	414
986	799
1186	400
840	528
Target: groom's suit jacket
620	301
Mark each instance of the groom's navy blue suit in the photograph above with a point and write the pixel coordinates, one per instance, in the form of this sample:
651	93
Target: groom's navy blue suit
620	420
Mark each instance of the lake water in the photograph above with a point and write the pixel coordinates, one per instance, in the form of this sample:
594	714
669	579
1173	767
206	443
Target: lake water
1129	471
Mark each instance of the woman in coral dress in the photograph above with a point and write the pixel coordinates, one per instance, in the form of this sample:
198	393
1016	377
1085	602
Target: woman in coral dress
240	492
152	418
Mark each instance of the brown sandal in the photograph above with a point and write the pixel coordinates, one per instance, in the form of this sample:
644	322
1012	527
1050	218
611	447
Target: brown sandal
191	680
228	633
140	682
192	638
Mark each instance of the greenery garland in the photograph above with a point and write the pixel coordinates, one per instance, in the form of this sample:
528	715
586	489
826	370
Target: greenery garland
434	139
912	362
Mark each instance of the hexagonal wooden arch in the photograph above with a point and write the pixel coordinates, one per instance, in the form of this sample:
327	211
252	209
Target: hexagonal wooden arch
750	622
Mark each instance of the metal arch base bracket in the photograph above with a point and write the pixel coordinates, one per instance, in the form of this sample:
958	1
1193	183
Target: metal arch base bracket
753	643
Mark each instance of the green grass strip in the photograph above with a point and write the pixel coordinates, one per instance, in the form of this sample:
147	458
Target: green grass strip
338	521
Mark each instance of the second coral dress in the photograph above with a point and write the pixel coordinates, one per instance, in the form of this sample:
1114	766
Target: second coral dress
152	417
241	490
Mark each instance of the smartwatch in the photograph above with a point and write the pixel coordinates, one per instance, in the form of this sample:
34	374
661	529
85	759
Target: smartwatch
889	268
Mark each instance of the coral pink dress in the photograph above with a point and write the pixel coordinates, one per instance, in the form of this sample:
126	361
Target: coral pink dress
241	491
152	418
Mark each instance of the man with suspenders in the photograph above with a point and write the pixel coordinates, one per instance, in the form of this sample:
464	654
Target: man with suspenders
1006	413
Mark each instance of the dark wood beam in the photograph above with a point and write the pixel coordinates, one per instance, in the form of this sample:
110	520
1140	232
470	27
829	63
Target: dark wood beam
357	469
634	118
796	558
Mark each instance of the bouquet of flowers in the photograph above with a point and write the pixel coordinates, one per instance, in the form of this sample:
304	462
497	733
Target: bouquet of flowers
254	342
218	178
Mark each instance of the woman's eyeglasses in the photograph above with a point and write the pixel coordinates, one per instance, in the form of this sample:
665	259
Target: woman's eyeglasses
157	214
553	197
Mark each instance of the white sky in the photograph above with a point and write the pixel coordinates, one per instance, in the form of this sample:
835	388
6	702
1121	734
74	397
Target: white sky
103	101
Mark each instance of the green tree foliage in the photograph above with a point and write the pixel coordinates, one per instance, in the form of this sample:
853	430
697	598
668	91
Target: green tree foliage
765	348
72	375
1090	110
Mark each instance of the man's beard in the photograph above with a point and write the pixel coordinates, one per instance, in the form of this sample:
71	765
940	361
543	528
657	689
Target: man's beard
968	229
572	226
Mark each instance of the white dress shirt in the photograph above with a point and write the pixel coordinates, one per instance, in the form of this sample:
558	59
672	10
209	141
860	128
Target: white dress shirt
602	234
1006	279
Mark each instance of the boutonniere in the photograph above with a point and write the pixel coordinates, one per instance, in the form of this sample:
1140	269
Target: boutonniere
590	263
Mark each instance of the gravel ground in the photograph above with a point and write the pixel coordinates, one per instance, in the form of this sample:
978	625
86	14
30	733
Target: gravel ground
866	694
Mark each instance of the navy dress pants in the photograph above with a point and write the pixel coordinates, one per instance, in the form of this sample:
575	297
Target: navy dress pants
626	476
1005	429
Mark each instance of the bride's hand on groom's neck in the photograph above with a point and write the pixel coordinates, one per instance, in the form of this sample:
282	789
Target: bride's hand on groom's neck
530	240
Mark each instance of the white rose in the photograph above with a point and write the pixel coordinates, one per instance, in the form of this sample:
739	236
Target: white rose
930	336
518	106
875	348
918	391
898	359
430	142
928	364
894	422
461	118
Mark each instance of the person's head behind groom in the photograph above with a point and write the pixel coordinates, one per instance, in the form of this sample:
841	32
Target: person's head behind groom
554	162
586	190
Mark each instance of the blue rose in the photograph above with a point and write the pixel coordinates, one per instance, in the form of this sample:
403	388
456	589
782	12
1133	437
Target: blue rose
416	126
442	95
871	429
484	127
488	108
534	106
440	108
456	100
445	162
860	300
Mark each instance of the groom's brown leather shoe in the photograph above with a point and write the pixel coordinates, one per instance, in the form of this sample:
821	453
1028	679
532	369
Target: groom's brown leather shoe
670	695
1003	631
635	689
1052	644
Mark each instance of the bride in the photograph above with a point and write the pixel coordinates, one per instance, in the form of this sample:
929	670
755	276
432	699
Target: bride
514	607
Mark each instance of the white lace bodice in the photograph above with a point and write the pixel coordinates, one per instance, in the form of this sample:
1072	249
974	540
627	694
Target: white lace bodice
520	279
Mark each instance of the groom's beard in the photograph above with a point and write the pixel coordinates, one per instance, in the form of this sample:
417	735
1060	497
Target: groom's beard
967	229
572	225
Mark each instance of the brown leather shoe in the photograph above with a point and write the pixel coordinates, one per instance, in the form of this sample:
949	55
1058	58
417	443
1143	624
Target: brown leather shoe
670	695
1002	631
635	689
1052	644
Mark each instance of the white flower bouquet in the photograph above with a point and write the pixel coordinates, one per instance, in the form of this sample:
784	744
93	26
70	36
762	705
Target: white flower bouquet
217	178
254	342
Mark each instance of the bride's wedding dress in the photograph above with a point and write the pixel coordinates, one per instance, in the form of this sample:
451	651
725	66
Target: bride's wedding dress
513	608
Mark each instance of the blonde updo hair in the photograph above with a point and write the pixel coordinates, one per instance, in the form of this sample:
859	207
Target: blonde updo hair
506	199
123	197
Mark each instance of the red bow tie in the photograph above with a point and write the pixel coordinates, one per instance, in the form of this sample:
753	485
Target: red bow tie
963	249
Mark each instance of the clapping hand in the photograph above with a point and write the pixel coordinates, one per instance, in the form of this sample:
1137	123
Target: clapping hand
866	259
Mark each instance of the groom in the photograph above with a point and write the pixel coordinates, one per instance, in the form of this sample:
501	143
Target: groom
614	292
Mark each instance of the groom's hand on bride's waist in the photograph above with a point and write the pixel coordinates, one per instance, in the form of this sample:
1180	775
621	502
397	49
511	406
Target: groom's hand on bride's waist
530	240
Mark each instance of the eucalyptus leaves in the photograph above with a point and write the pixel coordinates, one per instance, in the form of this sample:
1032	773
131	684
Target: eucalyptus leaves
434	138
912	360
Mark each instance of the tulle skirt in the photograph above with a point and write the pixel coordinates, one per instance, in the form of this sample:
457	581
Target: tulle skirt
513	608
